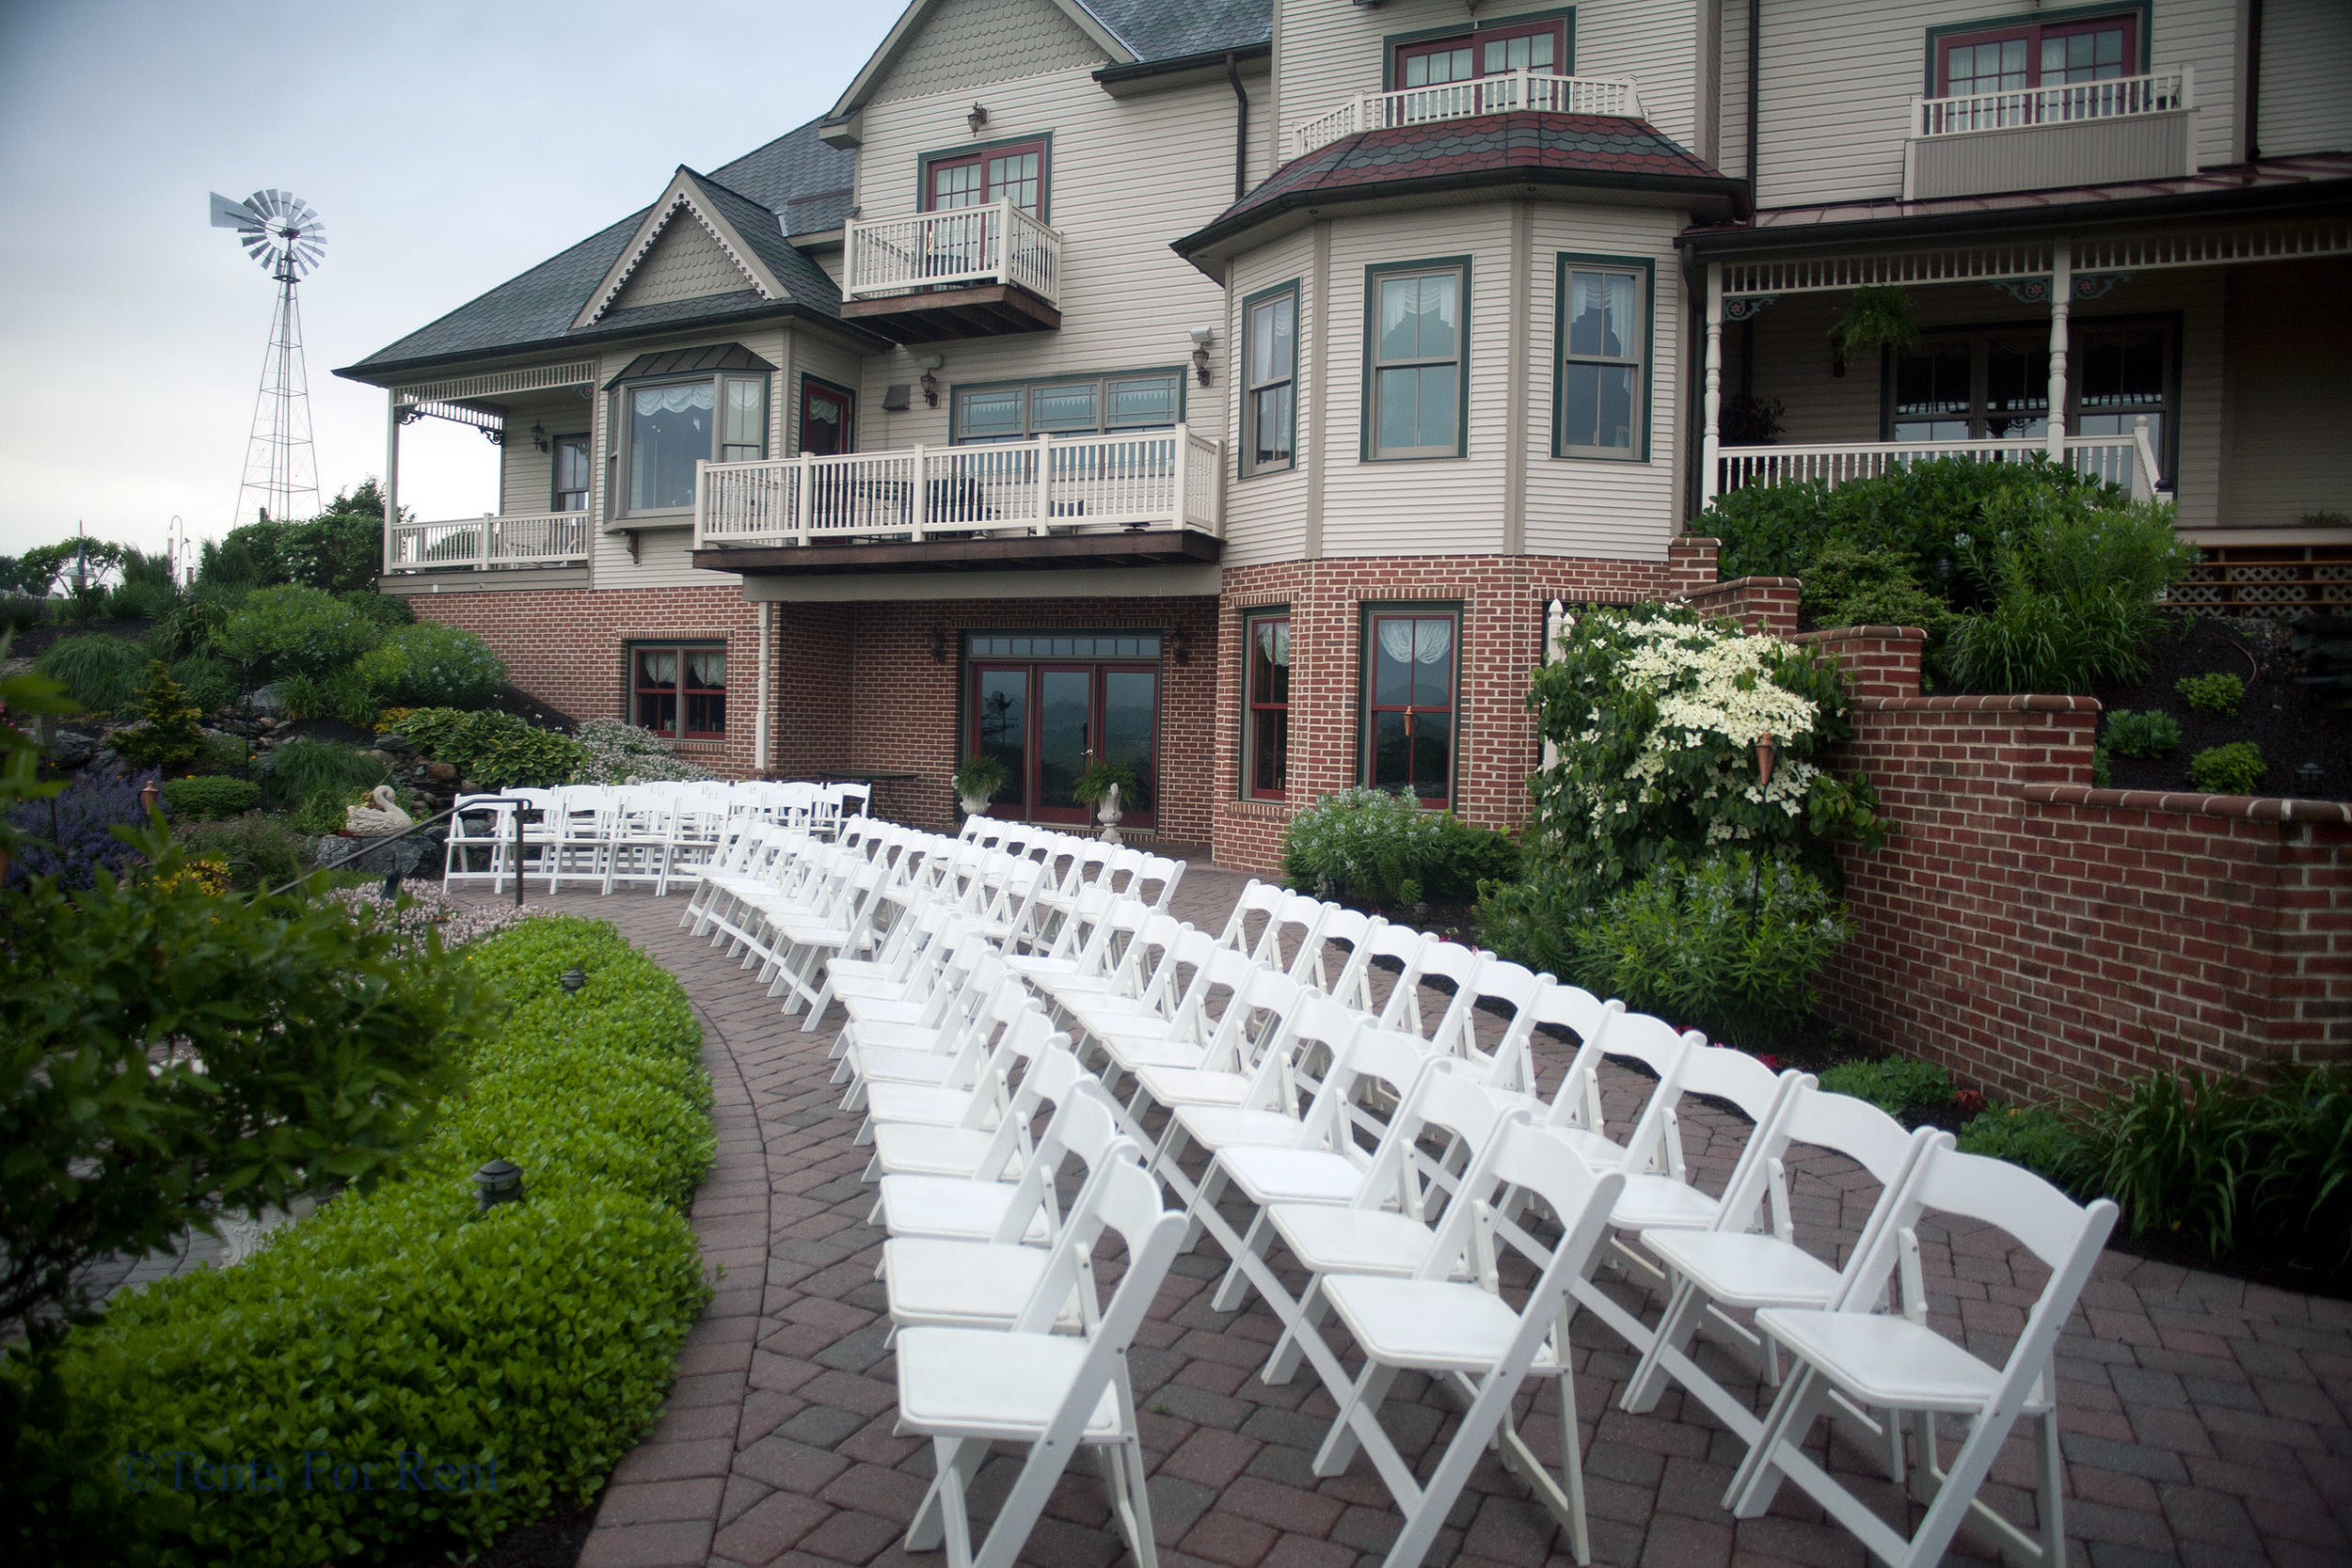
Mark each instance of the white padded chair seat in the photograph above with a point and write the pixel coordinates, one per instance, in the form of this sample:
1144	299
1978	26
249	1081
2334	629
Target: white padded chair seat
1192	1086
1886	1361
884	1066
900	1037
919	1102
979	1383
949	1208
1272	1176
913	1146
1230	1127
1662	1200
1749	1270
1329	1240
1431	1324
963	1284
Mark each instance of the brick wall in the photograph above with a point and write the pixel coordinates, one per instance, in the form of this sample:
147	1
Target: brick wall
566	647
2044	939
1766	605
1503	600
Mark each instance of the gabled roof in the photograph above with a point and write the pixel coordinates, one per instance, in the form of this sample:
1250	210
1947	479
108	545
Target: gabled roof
1590	152
689	198
539	308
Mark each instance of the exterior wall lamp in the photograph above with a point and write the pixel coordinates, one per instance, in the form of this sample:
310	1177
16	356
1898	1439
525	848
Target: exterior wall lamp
538	436
938	644
975	117
1201	336
930	363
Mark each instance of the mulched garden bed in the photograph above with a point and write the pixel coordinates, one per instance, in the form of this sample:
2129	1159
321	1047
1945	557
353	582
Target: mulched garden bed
2290	724
554	1541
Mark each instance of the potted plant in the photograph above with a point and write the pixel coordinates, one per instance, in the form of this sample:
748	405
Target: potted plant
1874	317
977	780
1102	786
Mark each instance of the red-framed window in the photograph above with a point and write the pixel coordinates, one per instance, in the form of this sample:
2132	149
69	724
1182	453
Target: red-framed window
1013	172
679	690
1410	658
2036	54
1538	46
828	418
1266	694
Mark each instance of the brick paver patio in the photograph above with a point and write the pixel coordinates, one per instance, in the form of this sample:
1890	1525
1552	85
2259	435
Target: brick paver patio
2206	1419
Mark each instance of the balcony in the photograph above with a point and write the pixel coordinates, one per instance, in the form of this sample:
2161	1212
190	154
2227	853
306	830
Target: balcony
487	543
2047	138
1483	95
1147	498
2128	461
971	272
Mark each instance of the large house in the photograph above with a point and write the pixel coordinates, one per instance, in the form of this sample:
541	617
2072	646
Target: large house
1226	385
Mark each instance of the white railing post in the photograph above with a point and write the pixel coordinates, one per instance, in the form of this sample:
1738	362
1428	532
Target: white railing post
2061	305
391	472
702	500
1177	466
1004	240
1710	442
805	499
1044	483
918	501
2144	476
482	543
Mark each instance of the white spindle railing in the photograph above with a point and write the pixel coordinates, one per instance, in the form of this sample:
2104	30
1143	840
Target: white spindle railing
479	544
995	244
1056	483
2158	92
1483	95
2129	461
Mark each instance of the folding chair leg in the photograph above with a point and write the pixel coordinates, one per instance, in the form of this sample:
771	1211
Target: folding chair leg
1362	1402
942	1513
1759	1476
1313	1307
1235	1288
1676	1331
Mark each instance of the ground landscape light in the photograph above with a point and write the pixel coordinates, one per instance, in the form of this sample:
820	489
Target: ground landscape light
499	1182
573	980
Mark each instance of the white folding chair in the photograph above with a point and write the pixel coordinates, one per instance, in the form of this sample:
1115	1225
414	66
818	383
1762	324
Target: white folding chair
484	825
1898	1364
1468	1336
967	1388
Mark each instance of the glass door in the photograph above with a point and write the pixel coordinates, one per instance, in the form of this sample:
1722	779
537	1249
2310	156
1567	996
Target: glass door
1045	722
1065	733
1000	729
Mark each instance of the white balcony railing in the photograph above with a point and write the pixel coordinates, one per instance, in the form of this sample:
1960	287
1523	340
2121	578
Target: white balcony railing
479	544
2129	461
1483	95
2116	98
995	244
1054	484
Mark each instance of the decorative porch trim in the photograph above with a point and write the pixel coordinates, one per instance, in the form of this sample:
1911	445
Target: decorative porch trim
535	378
682	193
1740	307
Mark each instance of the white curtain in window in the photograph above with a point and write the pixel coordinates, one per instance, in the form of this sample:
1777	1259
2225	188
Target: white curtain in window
656	669
1426	642
673	399
707	669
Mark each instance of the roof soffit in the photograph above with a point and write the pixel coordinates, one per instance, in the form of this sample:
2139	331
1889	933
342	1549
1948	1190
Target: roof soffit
683	193
919	13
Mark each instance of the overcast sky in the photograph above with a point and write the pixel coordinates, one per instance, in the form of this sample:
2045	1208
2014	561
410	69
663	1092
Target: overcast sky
447	146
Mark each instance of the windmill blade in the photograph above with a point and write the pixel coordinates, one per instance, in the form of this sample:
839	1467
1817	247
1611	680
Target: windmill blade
232	214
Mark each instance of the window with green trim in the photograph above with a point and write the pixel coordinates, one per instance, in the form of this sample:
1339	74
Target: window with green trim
1416	357
1602	397
1079	405
1270	381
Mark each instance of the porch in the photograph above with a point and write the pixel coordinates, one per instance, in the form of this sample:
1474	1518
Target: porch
539	417
1614	96
968	272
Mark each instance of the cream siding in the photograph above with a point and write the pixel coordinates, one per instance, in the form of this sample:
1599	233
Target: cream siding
526	474
965	43
1126	177
1838	79
1331	51
1793	365
1592	506
828	360
1731	142
1266	515
2289	383
684	263
2306	101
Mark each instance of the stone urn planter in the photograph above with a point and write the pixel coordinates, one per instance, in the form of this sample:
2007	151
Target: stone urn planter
974	806
1108	815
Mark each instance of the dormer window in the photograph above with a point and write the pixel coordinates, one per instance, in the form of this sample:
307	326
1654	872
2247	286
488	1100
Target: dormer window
1541	47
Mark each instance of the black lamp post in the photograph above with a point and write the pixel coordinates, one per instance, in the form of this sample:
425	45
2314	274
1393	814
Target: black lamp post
500	1181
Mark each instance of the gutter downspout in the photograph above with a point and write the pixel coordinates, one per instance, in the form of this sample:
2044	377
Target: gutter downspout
760	744
1756	79
2254	80
1241	125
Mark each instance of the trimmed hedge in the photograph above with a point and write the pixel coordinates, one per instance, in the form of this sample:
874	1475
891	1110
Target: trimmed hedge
533	1342
207	795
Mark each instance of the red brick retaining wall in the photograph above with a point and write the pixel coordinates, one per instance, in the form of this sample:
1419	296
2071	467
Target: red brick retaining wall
2042	938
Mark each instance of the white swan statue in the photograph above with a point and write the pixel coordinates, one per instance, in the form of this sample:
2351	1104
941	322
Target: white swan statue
380	820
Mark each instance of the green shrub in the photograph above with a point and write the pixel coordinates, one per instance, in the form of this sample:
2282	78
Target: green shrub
1469	859
1899	1086
2235	769
1728	945
618	753
2070	592
497	751
101	673
2150	732
226	754
261	852
299	769
1361	844
1846	585
21	611
385	609
189	629
1922	511
202	797
141	601
296	630
432	665
212	684
171	736
2219	693
539	1334
2036	1137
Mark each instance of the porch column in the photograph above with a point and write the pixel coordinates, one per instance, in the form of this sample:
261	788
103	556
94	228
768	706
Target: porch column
2061	301
391	470
1710	443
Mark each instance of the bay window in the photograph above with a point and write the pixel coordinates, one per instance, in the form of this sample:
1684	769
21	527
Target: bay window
1270	374
669	426
1601	397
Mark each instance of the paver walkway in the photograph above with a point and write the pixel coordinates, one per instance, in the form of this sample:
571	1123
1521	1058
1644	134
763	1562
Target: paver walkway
2206	1420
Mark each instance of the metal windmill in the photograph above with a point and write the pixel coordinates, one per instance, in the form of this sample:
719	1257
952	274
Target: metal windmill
283	233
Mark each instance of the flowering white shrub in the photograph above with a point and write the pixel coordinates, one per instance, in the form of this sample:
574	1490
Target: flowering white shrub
619	754
1365	842
418	911
432	665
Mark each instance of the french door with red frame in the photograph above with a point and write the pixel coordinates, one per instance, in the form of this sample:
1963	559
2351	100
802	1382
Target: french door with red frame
1541	47
1014	174
827	416
1043	719
2027	54
1409	658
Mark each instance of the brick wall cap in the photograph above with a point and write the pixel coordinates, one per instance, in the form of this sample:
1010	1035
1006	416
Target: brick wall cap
1697	541
1843	634
2255	808
2024	701
1727	585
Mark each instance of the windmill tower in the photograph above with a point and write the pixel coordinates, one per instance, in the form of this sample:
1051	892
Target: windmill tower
283	233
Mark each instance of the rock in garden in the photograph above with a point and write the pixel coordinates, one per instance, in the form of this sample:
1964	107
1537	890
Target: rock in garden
73	748
442	772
